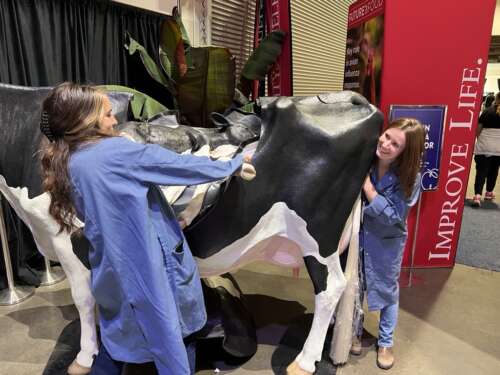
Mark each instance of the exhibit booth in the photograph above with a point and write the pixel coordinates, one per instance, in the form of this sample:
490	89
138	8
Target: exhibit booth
426	60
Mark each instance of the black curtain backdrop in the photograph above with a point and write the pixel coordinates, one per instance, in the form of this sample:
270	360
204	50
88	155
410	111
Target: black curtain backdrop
45	42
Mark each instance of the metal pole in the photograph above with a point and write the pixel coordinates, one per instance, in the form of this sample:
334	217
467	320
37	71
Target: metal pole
12	294
414	243
52	275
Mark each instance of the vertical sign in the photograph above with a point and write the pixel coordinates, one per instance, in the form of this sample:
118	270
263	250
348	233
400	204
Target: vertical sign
280	77
420	67
363	58
432	118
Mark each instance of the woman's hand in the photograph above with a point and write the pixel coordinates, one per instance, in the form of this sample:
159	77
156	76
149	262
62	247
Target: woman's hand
126	135
247	170
369	189
182	223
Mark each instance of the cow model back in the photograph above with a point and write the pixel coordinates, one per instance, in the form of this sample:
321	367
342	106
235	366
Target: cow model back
311	161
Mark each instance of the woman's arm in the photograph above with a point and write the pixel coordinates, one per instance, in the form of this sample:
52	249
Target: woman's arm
389	210
479	129
156	165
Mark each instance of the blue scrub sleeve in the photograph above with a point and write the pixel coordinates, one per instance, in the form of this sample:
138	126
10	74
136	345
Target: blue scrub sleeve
394	210
156	165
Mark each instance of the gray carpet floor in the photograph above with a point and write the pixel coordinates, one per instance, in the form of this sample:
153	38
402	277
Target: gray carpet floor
479	244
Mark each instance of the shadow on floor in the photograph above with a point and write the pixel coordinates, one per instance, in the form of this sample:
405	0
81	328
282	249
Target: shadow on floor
281	324
66	349
44	322
449	301
427	285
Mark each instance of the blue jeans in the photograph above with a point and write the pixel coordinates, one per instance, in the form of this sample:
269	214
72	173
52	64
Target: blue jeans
388	315
387	325
105	365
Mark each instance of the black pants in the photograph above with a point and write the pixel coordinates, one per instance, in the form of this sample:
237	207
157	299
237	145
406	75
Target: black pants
486	170
105	365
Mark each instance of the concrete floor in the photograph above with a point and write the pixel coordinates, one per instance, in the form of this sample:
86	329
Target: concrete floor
30	329
448	323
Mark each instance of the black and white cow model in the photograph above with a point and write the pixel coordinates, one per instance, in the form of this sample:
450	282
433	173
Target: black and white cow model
311	161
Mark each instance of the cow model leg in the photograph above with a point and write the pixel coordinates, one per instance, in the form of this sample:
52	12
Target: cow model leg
79	281
329	284
35	214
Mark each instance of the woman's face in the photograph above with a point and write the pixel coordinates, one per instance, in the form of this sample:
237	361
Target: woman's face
391	144
108	121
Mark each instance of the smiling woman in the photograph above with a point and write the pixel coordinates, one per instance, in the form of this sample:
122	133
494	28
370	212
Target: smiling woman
390	189
391	144
108	120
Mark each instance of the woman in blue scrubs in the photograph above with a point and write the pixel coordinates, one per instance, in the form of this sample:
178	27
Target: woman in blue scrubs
390	189
144	278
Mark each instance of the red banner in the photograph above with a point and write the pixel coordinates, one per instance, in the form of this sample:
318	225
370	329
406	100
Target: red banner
436	52
278	18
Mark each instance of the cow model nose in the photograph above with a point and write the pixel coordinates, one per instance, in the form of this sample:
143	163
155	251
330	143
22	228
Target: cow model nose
358	99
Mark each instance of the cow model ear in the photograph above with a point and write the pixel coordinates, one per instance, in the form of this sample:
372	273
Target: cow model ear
265	101
219	121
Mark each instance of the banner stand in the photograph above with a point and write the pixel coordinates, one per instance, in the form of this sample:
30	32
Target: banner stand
52	275
414	242
13	294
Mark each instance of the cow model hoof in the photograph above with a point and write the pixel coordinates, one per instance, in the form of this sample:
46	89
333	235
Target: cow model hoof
294	369
77	369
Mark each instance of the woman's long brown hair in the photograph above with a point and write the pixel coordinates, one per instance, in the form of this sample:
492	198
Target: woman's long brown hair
72	113
409	162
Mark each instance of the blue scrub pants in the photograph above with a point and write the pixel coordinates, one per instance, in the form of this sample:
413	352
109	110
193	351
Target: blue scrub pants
105	365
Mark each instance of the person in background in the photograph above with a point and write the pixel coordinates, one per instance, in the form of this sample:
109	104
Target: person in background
144	278
390	189
487	152
487	101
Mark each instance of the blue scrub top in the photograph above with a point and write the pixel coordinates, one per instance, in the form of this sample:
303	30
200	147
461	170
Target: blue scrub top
144	278
383	237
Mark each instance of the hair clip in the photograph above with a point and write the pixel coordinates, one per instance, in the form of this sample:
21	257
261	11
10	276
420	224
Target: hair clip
45	127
